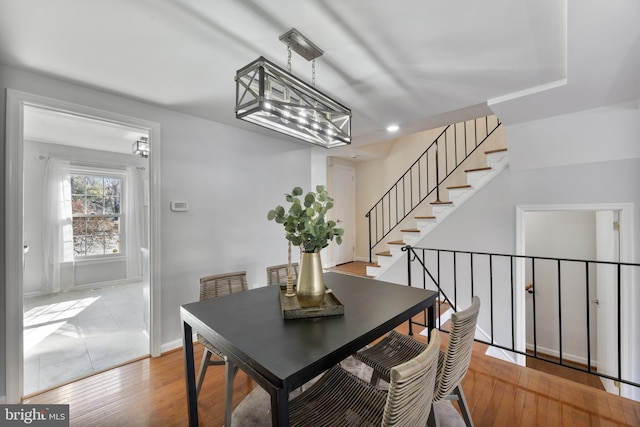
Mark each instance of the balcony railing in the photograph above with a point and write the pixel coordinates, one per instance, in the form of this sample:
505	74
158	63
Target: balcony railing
551	309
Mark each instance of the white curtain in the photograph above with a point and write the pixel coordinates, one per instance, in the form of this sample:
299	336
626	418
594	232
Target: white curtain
134	222
58	225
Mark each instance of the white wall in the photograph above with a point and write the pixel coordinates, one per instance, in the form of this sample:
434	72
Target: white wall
230	177
84	272
597	135
561	234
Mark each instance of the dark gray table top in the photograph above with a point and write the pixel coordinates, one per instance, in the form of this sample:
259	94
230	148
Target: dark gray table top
249	328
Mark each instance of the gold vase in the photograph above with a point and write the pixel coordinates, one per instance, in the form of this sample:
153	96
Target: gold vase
310	290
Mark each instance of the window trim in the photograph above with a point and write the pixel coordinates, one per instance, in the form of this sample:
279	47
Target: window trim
103	172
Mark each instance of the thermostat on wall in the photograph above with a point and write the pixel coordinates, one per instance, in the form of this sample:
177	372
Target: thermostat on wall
179	206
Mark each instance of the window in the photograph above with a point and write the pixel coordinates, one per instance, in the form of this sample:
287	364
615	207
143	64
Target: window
97	213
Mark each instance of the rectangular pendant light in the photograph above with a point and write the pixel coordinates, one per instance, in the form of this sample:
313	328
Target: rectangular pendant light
270	96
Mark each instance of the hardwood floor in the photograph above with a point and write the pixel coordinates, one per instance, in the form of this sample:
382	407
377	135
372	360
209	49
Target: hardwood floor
357	268
151	392
568	373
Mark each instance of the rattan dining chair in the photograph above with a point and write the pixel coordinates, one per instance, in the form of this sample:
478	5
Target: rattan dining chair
452	364
212	287
341	398
277	274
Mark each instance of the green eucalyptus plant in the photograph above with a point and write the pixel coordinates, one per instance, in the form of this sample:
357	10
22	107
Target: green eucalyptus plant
304	222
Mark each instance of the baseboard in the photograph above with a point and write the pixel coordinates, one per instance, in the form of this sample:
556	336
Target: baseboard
172	345
555	354
95	286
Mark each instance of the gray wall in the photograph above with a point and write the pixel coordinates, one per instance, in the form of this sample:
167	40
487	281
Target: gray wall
230	177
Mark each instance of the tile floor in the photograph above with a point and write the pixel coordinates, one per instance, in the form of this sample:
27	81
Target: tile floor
73	334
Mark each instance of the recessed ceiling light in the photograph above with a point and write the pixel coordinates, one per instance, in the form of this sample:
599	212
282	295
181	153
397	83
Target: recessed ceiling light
393	128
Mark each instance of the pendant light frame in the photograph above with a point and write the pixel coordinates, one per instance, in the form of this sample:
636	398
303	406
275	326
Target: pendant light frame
274	98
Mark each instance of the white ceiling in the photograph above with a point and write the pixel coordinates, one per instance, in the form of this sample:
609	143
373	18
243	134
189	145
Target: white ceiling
417	63
43	125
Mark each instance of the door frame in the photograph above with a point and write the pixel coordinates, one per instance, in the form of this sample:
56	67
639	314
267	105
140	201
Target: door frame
628	344
14	255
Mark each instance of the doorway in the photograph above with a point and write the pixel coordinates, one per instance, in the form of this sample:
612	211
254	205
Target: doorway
87	281
590	232
344	198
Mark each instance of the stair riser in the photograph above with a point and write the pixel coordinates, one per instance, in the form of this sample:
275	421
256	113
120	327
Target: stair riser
462	196
373	271
477	179
455	195
385	261
497	160
424	226
439	209
412	238
396	250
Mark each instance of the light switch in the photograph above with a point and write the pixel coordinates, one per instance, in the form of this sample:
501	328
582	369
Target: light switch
179	206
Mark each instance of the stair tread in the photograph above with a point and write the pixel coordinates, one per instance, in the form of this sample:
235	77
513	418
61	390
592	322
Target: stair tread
479	169
410	230
385	253
441	203
396	242
454	187
425	217
497	150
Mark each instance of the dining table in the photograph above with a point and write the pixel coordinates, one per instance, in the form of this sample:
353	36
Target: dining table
281	354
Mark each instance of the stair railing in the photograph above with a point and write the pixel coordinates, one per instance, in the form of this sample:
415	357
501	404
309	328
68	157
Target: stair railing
560	283
446	153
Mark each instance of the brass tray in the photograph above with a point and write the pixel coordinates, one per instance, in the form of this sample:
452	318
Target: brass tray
291	309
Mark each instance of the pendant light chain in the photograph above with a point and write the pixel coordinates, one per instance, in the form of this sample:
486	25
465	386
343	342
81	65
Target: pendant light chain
289	57
313	72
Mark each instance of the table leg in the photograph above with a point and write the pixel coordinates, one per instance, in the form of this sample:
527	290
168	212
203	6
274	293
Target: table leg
280	408
190	374
431	314
229	374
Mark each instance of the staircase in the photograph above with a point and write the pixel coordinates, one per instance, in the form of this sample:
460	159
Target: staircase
414	230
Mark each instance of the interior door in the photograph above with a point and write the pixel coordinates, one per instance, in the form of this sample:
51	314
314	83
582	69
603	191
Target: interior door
344	212
608	249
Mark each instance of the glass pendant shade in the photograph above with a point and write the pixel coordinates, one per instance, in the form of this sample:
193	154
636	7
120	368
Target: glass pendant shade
271	97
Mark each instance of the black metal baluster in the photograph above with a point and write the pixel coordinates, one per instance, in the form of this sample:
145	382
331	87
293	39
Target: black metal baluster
619	324
455	280
513	312
370	245
533	282
560	312
491	294
437	175
586	264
